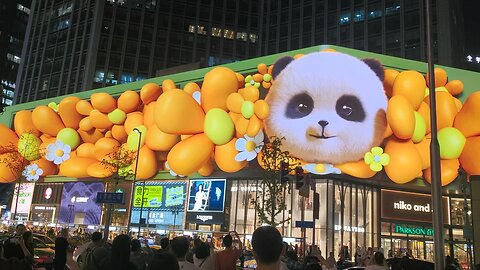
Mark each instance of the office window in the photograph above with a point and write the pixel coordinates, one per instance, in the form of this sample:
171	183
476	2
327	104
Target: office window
345	18
374	11
359	15
392	7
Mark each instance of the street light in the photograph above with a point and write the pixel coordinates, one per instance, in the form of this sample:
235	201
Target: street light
134	180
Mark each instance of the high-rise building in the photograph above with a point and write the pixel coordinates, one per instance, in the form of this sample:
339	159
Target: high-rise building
13	24
79	45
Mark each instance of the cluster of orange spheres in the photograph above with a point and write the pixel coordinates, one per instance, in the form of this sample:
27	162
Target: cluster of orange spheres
192	129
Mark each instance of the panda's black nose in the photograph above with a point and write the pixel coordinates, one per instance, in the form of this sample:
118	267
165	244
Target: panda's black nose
323	123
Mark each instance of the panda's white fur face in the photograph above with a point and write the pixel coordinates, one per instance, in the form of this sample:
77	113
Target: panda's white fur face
330	107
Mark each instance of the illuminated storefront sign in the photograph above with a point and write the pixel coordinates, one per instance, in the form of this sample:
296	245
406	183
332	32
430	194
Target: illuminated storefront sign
47	193
79	203
407	206
25	198
413	230
206	201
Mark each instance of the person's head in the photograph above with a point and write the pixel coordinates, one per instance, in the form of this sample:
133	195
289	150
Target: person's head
120	252
136	245
267	245
197	242
164	243
97	237
227	241
313	266
379	258
291	254
202	251
448	259
331	254
28	237
200	187
163	260
20	229
64	232
179	246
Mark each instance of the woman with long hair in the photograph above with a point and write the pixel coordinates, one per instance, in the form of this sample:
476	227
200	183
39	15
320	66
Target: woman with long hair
119	255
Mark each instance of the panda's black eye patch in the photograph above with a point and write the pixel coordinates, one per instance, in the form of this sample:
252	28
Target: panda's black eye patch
299	106
350	108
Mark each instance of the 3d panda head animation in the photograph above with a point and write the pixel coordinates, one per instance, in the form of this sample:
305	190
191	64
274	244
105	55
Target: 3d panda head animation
329	106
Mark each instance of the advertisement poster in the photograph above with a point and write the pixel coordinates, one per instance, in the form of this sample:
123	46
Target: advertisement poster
78	203
25	198
163	204
206	201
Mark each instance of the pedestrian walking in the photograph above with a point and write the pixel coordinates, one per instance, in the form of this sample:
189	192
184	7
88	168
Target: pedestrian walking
61	246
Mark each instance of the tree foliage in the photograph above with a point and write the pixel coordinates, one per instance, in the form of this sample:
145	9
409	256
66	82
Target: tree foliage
270	203
119	161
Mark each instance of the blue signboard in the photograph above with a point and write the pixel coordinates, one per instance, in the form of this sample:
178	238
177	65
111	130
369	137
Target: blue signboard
110	197
304	224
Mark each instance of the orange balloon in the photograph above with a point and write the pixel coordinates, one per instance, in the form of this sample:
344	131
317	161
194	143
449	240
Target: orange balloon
8	139
446	109
191	87
188	156
176	112
411	85
129	101
147	164
160	141
449	171
405	161
458	104
150	92
206	169
262	68
134	119
91	136
423	149
86	150
100	120
104	147
401	117
47	120
48	167
85	124
149	114
99	170
254	126
240	80
119	133
467	119
225	157
76	167
262	110
168	85
84	107
469	157
356	169
217	85
23	123
68	112
103	102
424	111
455	87
440	77
390	76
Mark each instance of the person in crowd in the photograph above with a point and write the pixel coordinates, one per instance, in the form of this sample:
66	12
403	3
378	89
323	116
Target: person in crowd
379	262
137	256
12	248
28	240
96	251
165	244
267	248
450	264
179	247
61	246
164	261
204	257
119	258
14	263
331	263
313	266
290	259
227	258
191	251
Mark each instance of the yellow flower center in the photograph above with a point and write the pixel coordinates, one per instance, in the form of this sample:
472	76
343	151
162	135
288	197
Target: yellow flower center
250	146
33	172
320	168
59	153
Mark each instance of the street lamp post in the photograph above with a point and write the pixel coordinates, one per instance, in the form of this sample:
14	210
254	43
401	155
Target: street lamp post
134	180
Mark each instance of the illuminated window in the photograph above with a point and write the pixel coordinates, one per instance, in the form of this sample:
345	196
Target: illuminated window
23	8
359	16
344	18
242	36
99	76
191	28
64	9
216	32
13	58
253	38
230	34
63	24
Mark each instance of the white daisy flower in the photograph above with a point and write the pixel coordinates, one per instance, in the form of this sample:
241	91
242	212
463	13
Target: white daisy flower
171	171
249	147
58	152
32	172
321	169
197	96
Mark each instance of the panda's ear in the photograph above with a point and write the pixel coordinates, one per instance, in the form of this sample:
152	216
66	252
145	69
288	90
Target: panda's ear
280	65
376	66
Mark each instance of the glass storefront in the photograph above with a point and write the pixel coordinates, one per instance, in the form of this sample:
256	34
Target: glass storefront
347	213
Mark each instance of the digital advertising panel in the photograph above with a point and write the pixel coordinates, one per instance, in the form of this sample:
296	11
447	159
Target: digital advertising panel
25	198
163	203
79	205
206	201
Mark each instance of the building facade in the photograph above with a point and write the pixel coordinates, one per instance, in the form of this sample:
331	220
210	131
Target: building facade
74	46
13	24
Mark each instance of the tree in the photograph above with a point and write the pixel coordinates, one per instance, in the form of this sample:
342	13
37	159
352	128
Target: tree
271	202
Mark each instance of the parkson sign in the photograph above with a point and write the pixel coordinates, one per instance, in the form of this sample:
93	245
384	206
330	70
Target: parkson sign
413	230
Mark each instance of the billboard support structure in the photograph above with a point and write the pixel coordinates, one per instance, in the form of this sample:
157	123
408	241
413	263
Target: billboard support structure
134	180
438	237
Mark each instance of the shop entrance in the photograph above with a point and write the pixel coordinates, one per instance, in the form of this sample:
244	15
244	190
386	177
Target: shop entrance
399	247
